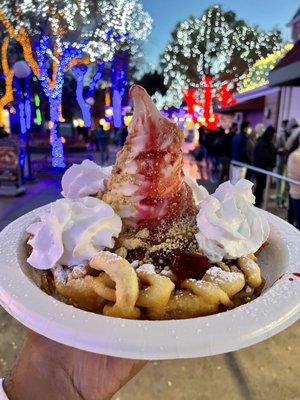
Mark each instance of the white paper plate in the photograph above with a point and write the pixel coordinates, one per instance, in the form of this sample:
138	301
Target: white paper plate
276	309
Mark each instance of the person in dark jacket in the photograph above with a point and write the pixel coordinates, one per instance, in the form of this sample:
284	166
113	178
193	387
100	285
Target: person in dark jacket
264	158
102	140
240	145
241	151
226	151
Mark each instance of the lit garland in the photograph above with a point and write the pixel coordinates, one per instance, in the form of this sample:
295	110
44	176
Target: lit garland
216	44
9	75
258	74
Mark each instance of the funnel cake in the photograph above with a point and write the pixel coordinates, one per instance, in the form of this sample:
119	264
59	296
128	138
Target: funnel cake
144	249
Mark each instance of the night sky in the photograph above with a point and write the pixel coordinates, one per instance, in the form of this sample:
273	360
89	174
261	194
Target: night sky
265	13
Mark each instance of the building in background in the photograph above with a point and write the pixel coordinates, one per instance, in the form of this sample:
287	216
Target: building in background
270	92
286	76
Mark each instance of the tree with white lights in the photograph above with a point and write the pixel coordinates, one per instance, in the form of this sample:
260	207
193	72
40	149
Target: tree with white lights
216	44
124	25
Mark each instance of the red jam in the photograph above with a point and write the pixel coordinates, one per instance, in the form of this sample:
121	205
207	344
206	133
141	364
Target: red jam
188	265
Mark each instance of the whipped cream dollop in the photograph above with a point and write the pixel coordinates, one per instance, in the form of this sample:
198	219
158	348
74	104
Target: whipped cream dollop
229	225
84	179
72	232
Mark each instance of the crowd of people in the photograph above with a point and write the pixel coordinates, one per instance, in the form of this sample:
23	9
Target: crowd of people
261	147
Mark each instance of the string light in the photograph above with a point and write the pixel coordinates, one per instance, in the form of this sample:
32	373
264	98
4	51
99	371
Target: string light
258	74
8	74
210	118
21	36
226	98
118	78
107	99
192	103
23	102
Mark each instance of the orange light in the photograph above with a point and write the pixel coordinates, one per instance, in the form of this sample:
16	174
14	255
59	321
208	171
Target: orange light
107	98
21	36
78	61
106	126
9	75
63	140
61	118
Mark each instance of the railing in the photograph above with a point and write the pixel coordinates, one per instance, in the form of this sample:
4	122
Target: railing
269	174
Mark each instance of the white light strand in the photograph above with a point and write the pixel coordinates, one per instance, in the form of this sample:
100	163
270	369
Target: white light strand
103	26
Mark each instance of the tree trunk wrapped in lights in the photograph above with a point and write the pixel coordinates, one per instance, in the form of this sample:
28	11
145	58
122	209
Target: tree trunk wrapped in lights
118	78
9	75
85	102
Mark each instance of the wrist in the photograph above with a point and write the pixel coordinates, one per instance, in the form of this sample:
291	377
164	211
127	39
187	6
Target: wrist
37	376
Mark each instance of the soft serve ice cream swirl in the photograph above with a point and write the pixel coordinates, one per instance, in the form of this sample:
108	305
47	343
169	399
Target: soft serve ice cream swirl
229	224
84	179
72	232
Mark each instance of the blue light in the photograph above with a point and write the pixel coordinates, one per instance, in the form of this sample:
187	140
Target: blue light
95	79
28	113
23	104
79	71
22	118
119	79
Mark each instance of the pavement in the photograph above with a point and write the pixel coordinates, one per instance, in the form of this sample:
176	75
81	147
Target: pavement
267	371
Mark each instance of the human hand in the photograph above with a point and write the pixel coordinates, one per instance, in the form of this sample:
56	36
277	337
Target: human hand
49	370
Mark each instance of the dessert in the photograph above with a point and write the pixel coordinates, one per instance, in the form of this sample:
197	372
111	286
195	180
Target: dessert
144	241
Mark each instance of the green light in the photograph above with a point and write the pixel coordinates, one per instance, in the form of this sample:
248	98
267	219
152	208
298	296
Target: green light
38	117
37	100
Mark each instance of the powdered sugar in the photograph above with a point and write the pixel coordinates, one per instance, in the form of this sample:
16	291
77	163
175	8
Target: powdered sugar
219	275
135	264
147	269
